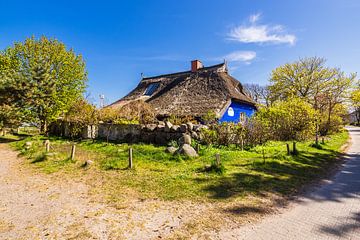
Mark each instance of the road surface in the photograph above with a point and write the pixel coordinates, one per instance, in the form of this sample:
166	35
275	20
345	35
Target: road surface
332	211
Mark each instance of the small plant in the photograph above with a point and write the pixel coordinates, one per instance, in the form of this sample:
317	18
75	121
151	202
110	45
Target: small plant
173	143
215	167
40	158
318	146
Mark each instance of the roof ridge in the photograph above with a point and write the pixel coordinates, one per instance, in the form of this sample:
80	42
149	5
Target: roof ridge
184	72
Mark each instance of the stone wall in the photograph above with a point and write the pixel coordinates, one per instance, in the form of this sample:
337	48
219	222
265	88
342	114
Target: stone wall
161	133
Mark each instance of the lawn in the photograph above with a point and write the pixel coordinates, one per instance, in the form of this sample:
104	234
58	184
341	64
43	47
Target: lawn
157	174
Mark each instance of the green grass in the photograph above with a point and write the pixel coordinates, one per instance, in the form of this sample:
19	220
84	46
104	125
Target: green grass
157	174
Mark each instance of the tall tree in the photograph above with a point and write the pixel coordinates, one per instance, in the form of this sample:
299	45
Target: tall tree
47	79
309	79
10	115
355	101
258	93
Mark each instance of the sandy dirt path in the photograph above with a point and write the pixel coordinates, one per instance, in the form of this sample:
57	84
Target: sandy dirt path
38	206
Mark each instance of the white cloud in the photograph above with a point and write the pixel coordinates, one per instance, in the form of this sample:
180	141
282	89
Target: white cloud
254	18
257	33
241	56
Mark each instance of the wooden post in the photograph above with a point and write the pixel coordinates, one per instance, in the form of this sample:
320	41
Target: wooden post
218	161
73	148
317	134
197	148
47	145
130	158
263	152
294	148
288	149
242	144
323	140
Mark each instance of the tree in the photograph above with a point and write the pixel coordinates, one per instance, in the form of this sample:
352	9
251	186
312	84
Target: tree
355	100
258	93
46	80
81	114
293	119
309	79
10	116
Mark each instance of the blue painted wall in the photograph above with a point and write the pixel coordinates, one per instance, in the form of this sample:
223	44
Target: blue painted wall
232	113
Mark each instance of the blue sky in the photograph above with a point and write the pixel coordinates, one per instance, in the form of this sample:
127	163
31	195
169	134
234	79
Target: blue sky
119	40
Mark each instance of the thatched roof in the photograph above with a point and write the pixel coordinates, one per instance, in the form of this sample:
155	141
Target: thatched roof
190	93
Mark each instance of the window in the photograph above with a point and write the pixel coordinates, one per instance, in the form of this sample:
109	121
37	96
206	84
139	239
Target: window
231	112
242	117
151	89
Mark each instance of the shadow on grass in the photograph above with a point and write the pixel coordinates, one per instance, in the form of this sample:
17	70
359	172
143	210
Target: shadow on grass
7	140
280	177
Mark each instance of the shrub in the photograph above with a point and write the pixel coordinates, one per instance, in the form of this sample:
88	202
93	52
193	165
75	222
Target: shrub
293	119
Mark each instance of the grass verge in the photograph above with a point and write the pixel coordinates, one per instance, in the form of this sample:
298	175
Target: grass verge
157	174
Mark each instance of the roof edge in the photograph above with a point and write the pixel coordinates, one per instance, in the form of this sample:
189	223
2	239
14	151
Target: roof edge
184	72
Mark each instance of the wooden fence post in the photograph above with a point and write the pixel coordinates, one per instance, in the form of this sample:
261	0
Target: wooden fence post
263	153
218	161
288	149
73	149
317	134
197	148
47	145
130	158
294	148
322	140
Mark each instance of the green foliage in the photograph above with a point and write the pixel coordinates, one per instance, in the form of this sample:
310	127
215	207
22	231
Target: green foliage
44	79
288	120
133	113
310	80
80	114
355	101
178	120
162	175
210	117
215	168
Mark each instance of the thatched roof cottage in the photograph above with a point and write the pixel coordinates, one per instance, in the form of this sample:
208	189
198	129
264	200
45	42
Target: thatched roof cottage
194	93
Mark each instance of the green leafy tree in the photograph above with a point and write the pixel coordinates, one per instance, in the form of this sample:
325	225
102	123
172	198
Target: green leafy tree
46	79
293	119
355	100
10	115
310	80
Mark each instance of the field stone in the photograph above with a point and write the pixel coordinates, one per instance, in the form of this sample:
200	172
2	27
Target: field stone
175	128
88	163
185	139
190	126
171	150
187	150
28	145
194	135
183	128
168	126
151	127
160	128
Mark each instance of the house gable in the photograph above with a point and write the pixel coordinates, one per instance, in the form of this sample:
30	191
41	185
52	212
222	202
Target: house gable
235	110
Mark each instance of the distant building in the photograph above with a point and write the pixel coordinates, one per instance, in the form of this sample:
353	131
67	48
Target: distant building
354	118
194	93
